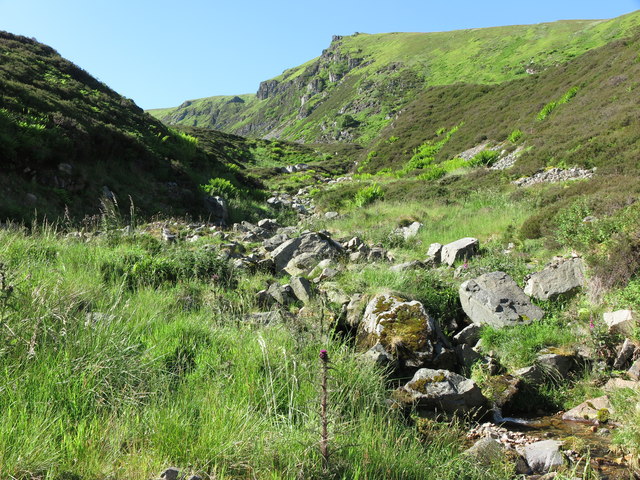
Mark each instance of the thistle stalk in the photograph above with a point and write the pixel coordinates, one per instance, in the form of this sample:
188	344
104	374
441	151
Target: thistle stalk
324	439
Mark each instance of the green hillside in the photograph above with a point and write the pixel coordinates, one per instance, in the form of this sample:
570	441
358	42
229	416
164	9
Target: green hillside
66	139
362	81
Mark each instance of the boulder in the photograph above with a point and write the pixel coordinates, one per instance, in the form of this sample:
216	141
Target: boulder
317	244
596	409
435	253
411	230
560	278
464	248
495	299
625	353
543	456
556	365
486	451
268	224
621	322
403	328
301	289
444	390
274	242
217	210
301	264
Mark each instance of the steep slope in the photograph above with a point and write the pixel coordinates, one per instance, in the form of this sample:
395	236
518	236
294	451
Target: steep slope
66	139
360	82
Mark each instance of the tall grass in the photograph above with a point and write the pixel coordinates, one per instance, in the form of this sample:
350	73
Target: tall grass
99	380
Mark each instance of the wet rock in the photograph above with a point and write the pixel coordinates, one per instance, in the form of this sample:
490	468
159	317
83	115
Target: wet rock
462	249
495	299
403	328
301	289
468	335
560	278
544	456
621	321
444	390
593	410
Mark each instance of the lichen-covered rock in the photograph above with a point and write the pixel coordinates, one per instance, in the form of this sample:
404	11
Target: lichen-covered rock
464	248
444	390
495	299
559	278
596	409
403	328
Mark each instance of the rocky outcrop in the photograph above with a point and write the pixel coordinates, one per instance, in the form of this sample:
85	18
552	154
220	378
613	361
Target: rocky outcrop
444	391
555	175
560	278
495	299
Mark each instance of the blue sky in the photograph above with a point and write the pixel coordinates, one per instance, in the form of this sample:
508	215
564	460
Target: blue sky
160	53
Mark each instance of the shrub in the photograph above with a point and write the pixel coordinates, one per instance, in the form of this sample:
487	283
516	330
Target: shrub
515	135
368	195
221	187
485	158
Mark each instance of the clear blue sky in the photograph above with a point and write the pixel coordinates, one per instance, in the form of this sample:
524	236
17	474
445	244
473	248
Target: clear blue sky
161	52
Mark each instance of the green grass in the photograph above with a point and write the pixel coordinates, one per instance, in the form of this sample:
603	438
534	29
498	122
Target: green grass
166	374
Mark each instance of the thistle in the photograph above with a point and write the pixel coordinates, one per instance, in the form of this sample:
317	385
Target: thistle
324	439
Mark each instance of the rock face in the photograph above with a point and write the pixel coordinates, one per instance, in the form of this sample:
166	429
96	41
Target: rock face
445	391
404	329
320	246
460	249
561	277
495	299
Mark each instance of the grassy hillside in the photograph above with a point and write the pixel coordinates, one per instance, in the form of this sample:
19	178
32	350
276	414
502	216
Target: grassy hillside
361	82
66	138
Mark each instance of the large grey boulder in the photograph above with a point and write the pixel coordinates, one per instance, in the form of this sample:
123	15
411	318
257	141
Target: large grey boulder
403	328
559	278
444	390
544	456
464	248
317	244
495	299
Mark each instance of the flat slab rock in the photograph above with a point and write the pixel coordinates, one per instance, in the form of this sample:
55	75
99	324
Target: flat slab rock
495	299
595	409
459	250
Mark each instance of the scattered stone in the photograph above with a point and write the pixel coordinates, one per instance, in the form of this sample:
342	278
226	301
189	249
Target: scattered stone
301	264
544	456
410	231
301	289
557	365
559	278
268	224
532	375
379	355
634	370
590	411
170	473
377	254
355	308
555	175
618	383
403	267
274	242
331	215
444	390
495	299
167	236
326	274
462	249
468	335
31	198
625	353
319	245
621	322
467	356
355	244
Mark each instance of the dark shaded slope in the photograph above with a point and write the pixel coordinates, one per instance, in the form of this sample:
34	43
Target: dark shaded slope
65	136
